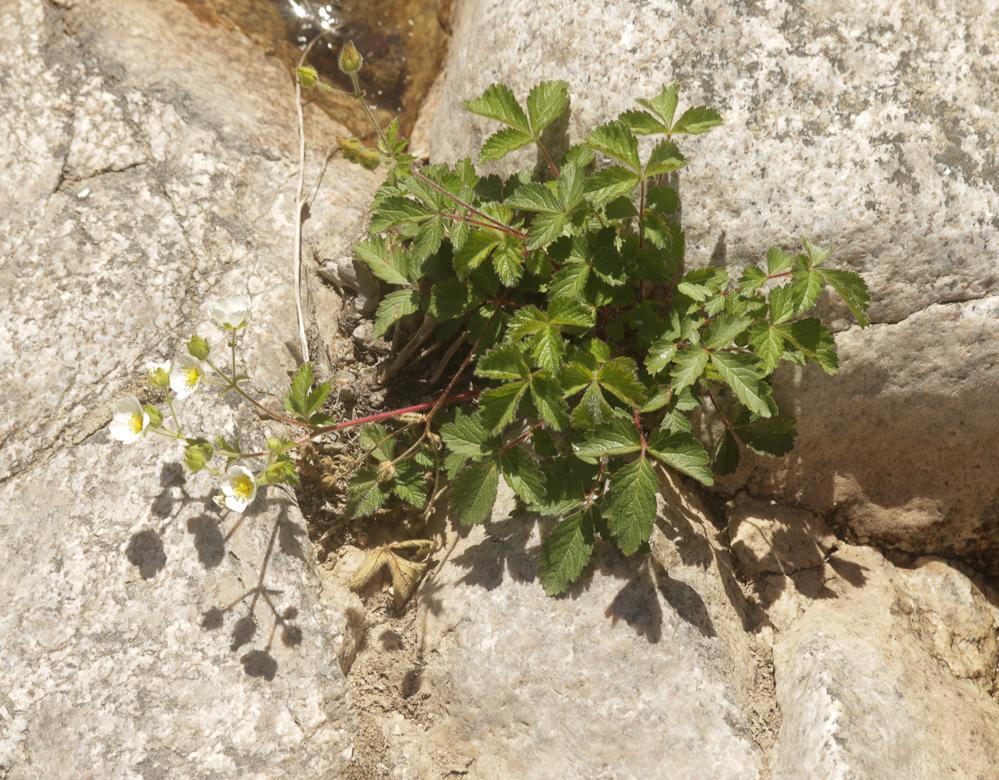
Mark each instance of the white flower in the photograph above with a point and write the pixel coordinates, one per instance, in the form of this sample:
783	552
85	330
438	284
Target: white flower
232	312
158	372
186	376
129	420
239	488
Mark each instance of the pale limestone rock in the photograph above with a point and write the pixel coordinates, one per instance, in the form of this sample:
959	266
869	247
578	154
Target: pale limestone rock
860	695
868	125
147	164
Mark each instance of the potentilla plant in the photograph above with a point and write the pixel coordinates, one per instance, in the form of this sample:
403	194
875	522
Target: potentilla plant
580	358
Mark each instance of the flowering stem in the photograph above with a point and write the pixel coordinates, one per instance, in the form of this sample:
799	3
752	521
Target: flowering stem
173	413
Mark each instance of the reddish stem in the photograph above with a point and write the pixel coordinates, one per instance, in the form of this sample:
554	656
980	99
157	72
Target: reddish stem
638	426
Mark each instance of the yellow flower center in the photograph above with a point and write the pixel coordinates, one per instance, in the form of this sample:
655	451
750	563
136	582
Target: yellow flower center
242	486
135	423
193	375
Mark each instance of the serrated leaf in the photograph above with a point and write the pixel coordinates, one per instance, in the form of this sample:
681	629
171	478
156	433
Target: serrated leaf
630	504
547	397
698	119
410	483
682	452
774	436
473	492
523	474
570	314
781	304
498	102
545	103
660	355
503	362
449	298
744	375
663	105
752	279
394	306
690	364
499	404
365	494
724	330
545	228
376	439
701	283
569	282
297	400
535	197
592	409
814	339
475	250
852	288
726	459
643	123
502	142
565	552
778	261
619	377
466	436
508	263
387	263
806	285
549	349
665	158
768	344
618	436
610	183
616	141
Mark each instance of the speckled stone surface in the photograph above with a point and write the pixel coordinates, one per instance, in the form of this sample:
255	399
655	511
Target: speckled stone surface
867	125
147	165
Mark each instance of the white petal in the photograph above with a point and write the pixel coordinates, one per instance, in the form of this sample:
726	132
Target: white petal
236	504
121	430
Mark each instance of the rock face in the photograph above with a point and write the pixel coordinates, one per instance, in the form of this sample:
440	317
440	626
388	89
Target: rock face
870	126
148	164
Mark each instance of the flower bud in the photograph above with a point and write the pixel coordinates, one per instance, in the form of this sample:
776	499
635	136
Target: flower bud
386	471
274	444
155	415
350	59
307	77
198	347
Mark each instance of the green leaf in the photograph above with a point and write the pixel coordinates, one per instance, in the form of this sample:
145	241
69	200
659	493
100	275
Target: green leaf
473	492
696	120
643	123
852	288
774	436
778	261
449	298
565	552
726	459
297	400
814	339
806	285
544	229
387	263
377	439
365	494
610	183
724	330
701	283
535	197
619	436
499	404
616	141
502	142
498	102
394	306
660	354
410	483
523	474
475	250
743	374
509	264
504	362
619	377
547	397
665	158
690	364
663	105
592	409
630	504
466	436
782	304
752	279
569	282
682	452
768	344
546	103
